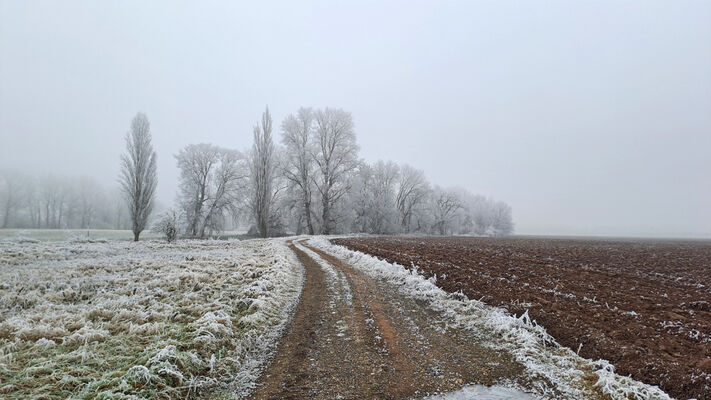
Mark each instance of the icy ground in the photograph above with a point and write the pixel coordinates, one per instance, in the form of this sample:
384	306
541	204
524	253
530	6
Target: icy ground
123	320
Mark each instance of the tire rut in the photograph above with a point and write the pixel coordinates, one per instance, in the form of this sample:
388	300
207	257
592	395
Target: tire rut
287	370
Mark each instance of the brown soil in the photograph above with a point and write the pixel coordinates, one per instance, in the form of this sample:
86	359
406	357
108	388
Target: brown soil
353	338
643	305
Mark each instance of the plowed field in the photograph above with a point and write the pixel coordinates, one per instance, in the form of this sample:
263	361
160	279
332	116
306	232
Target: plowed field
643	305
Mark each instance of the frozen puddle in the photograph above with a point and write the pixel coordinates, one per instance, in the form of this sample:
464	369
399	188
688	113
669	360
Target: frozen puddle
480	392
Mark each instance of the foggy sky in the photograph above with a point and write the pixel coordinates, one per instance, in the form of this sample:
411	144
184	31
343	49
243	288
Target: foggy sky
586	117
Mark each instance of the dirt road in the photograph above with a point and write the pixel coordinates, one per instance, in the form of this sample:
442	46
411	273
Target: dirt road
353	337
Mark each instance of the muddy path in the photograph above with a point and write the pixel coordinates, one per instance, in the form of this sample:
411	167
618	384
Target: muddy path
352	337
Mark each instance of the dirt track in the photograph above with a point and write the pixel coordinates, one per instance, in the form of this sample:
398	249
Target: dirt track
354	338
643	305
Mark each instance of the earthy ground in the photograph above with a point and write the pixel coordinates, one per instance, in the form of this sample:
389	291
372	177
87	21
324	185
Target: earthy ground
643	305
352	337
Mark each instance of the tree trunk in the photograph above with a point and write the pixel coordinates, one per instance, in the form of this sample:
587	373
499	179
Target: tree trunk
307	212
326	229
135	236
263	223
299	226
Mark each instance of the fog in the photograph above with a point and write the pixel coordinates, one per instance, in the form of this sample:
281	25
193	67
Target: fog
586	118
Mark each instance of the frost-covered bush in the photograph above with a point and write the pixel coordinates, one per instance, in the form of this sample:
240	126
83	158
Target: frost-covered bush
167	225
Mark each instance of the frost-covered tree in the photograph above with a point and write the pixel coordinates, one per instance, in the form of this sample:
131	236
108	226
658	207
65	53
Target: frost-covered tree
61	202
479	207
116	211
13	194
358	198
281	209
292	210
502	222
33	204
444	207
373	198
87	202
54	195
385	215
335	155
483	216
297	133
212	184
411	198
262	169
53	202
138	173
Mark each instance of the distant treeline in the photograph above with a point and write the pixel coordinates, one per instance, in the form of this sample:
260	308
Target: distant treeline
312	182
59	202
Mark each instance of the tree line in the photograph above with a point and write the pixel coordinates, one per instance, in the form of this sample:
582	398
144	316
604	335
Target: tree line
309	180
59	202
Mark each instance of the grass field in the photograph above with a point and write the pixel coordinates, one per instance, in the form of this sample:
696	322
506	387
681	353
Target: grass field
124	320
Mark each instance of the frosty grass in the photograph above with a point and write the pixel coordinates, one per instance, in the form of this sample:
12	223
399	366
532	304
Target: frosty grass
558	371
123	320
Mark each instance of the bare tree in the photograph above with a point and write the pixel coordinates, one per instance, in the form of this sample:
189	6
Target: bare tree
12	196
262	173
53	202
373	198
117	211
196	163
359	196
485	216
87	200
211	183
298	164
501	219
54	198
411	195
383	211
445	204
34	205
138	173
335	155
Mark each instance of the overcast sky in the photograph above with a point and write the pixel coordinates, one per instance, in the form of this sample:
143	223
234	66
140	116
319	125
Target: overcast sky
586	117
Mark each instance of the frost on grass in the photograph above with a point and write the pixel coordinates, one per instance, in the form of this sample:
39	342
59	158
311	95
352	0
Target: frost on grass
556	372
122	320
